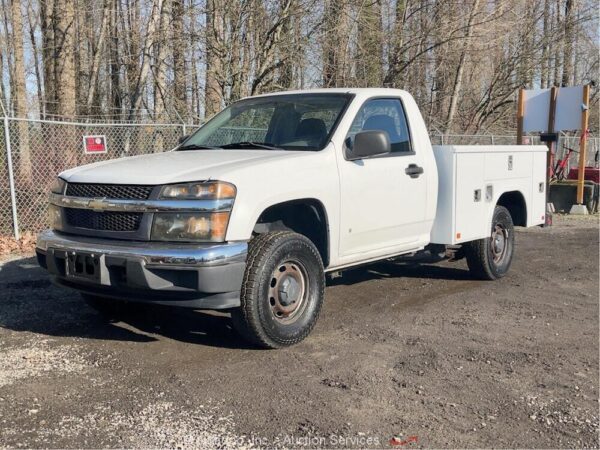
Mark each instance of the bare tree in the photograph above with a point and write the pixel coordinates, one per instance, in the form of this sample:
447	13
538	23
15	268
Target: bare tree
395	45
179	49
47	26
98	52
457	85
214	57
545	67
33	20
63	20
153	24
19	92
569	40
369	56
161	53
335	41
157	59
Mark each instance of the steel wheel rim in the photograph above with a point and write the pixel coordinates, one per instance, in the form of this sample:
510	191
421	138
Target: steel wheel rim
499	243
288	290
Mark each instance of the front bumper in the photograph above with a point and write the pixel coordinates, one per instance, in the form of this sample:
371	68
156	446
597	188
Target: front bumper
203	276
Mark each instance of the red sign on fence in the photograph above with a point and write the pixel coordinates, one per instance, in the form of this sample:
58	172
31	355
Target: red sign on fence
94	144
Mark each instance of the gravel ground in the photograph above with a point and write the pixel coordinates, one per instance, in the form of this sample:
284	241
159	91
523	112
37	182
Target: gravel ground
403	356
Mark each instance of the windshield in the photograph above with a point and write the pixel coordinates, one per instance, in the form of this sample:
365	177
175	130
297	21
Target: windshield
288	122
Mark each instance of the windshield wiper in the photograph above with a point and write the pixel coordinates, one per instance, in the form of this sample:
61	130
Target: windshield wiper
249	144
197	147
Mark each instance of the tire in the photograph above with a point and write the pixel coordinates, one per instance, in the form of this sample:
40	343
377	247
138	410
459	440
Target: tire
490	258
282	290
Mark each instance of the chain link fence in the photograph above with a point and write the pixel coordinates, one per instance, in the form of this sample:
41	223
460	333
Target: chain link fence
34	152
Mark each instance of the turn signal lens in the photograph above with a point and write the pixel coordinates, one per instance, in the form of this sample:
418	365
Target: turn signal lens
210	190
219	223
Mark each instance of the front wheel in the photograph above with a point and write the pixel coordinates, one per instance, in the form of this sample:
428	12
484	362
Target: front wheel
491	257
282	291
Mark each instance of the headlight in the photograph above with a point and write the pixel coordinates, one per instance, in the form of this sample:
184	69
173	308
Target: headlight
58	187
193	226
54	217
210	190
190	226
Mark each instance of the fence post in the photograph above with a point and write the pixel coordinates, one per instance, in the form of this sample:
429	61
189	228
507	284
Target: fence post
11	180
183	126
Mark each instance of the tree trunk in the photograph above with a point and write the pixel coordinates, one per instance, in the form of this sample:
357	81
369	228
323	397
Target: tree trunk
179	48
115	91
20	92
160	66
246	62
213	96
396	43
5	8
98	52
153	24
527	56
193	43
266	44
369	63
335	43
237	35
83	44
567	75
63	19
558	47
461	67
287	49
576	44
36	57
545	69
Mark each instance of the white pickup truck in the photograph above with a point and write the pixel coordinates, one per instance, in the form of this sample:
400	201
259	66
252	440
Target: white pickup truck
250	212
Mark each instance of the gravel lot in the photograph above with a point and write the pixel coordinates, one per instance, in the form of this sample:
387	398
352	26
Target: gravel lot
420	355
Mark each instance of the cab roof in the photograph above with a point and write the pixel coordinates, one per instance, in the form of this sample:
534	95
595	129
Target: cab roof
357	91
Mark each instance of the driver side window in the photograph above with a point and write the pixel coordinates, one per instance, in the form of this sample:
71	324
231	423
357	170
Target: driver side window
386	115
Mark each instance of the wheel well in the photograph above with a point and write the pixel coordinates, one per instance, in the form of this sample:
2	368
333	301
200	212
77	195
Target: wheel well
515	203
305	216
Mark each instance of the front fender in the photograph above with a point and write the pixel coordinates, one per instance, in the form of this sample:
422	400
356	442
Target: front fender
245	214
312	176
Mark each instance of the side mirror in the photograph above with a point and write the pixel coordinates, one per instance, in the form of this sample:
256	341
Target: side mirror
184	138
369	143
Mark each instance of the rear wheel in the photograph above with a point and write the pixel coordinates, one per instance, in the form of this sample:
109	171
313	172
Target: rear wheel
282	290
491	257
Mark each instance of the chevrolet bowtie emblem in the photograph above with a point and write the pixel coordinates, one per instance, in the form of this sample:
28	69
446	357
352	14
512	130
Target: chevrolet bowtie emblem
97	204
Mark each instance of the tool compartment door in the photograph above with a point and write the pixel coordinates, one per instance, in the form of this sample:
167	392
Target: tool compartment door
471	205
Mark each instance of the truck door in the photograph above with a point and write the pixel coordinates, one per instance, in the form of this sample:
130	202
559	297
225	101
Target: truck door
383	198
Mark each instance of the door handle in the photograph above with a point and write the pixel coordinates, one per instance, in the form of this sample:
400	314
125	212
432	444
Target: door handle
413	171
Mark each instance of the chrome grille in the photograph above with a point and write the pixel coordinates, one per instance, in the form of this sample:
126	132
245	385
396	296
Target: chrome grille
103	220
116	191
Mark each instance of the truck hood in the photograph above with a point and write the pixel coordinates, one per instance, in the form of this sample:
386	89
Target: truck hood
173	166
